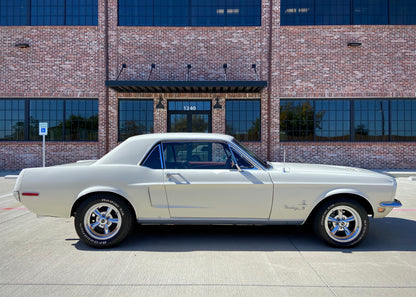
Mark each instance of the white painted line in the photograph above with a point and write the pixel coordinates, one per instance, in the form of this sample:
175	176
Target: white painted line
7	195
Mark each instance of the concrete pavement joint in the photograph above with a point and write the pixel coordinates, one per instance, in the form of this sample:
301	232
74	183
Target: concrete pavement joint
204	285
313	268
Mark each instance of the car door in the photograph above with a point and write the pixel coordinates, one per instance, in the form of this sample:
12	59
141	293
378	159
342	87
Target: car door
201	181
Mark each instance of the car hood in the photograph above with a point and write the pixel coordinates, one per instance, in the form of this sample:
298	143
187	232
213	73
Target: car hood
330	173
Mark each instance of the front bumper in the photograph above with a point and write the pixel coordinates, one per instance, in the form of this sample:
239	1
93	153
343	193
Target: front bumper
395	204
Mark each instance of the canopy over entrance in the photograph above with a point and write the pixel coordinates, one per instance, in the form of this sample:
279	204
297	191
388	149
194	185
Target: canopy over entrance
147	86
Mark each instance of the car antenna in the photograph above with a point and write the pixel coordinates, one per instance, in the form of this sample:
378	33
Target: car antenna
284	161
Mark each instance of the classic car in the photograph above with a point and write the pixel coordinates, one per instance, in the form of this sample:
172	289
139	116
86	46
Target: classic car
190	178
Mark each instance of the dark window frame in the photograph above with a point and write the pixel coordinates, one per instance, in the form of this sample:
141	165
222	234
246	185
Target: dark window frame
375	120
48	15
158	16
227	111
31	130
147	128
385	12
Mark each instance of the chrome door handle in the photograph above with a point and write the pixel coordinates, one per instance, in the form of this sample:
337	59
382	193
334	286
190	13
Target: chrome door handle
172	174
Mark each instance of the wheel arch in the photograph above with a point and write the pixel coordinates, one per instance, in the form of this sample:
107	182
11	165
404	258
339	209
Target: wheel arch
87	195
353	196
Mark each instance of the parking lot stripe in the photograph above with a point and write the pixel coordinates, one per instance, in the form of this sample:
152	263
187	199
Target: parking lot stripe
7	195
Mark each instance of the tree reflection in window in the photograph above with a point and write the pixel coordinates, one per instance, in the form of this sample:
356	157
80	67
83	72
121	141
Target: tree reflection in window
298	120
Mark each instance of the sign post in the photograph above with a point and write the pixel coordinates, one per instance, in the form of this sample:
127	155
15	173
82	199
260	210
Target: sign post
43	131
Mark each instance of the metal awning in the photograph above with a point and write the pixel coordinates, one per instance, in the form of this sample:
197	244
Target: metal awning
147	86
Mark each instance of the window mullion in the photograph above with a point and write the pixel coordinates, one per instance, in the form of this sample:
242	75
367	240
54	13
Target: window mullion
189	20
352	120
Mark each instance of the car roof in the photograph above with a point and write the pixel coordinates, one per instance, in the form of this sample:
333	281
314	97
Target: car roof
181	136
135	148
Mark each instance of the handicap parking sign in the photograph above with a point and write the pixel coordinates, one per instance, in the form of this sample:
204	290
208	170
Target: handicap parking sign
43	129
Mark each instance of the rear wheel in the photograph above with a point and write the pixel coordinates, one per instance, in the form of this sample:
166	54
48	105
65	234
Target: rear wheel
103	221
341	223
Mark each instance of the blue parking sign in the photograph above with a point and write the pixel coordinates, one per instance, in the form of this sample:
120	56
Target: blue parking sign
43	129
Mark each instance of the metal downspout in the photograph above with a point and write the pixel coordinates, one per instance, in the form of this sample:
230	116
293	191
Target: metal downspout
269	85
107	95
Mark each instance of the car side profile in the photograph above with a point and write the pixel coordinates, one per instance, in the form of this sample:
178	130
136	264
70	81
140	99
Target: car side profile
193	178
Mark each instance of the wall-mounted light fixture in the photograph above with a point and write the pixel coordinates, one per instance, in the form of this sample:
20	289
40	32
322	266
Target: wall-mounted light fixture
254	66
217	104
225	66
354	44
22	45
189	66
152	66
160	104
123	66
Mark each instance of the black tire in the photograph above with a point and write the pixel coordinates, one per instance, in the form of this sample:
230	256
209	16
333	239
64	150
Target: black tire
341	223
103	221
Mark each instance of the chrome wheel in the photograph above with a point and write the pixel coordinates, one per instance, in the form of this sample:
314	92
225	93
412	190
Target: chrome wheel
343	224
102	221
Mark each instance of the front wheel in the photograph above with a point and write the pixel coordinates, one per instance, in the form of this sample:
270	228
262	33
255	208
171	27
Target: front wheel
103	221
341	223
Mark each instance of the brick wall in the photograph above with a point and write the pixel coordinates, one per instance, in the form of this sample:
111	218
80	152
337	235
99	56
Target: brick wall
365	155
315	61
61	62
297	62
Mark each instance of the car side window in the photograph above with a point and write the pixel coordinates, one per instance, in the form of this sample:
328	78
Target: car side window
197	155
153	159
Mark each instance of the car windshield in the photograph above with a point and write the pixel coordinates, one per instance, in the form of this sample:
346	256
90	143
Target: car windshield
251	154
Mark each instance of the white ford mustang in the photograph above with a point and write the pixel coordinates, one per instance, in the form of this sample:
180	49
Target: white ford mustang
189	178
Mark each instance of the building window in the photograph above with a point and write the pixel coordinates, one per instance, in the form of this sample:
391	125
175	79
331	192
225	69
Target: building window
371	120
330	12
135	118
347	12
402	12
14	13
297	120
181	13
242	119
348	120
332	120
12	119
50	111
68	120
370	12
403	120
81	120
297	12
49	13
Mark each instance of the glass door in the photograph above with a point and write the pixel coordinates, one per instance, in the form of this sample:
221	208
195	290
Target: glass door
189	116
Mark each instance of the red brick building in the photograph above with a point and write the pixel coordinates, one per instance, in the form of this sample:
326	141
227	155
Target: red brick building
321	87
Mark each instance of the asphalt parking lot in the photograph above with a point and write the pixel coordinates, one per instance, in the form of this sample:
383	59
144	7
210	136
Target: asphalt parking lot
43	257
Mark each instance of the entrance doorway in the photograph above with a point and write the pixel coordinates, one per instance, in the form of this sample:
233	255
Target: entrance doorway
189	116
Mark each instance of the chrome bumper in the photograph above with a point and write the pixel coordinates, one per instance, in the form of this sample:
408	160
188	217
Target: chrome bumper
396	203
